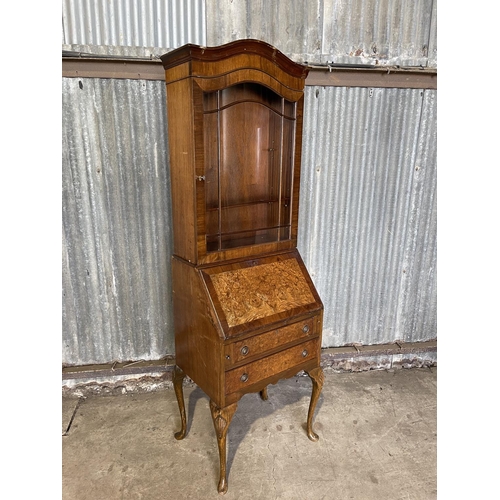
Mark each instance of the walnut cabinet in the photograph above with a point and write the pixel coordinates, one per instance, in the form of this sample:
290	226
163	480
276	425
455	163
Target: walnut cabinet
246	312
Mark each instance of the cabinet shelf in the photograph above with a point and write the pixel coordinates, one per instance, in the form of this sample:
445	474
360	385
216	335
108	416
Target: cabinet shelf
234	233
247	203
259	236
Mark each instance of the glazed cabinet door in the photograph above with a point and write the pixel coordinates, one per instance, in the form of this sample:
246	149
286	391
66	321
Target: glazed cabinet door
248	133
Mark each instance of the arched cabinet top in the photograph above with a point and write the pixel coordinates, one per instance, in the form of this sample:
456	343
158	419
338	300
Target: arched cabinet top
215	68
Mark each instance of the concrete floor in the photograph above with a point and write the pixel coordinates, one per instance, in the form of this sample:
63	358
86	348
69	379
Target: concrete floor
377	441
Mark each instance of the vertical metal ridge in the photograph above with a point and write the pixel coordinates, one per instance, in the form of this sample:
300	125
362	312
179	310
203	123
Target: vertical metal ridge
383	32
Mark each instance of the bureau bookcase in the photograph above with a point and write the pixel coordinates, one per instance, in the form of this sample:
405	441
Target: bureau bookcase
246	312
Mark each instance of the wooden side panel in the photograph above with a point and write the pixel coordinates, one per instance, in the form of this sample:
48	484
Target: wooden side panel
198	348
199	165
296	168
180	114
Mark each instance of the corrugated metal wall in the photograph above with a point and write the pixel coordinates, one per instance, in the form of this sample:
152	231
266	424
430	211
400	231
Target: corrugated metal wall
393	32
116	221
133	23
368	212
368	195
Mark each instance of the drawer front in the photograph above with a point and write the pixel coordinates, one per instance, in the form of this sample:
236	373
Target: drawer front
253	346
251	373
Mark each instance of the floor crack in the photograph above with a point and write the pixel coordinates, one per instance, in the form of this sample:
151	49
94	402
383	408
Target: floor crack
65	433
274	463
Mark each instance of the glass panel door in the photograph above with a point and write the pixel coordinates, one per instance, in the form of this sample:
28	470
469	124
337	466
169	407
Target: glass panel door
249	143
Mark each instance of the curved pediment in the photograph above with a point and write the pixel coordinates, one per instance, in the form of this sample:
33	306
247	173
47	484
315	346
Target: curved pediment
235	62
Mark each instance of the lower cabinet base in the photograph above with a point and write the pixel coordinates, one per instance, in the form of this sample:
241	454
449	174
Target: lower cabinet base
240	326
222	417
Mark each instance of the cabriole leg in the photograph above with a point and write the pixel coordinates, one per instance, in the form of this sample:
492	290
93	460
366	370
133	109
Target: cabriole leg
222	418
317	377
263	394
178	378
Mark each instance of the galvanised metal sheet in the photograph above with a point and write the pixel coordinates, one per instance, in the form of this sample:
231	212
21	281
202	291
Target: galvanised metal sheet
367	220
139	23
294	27
367	226
117	234
393	32
385	32
368	197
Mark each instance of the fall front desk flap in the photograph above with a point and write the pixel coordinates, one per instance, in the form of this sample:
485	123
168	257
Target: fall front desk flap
253	293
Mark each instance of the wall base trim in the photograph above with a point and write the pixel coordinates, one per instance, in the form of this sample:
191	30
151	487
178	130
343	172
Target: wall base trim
148	376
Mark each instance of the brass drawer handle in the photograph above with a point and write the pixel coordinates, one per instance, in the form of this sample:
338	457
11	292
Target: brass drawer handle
305	328
244	350
304	353
244	377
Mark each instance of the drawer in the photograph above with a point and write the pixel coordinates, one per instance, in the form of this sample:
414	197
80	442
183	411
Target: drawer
253	346
251	373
